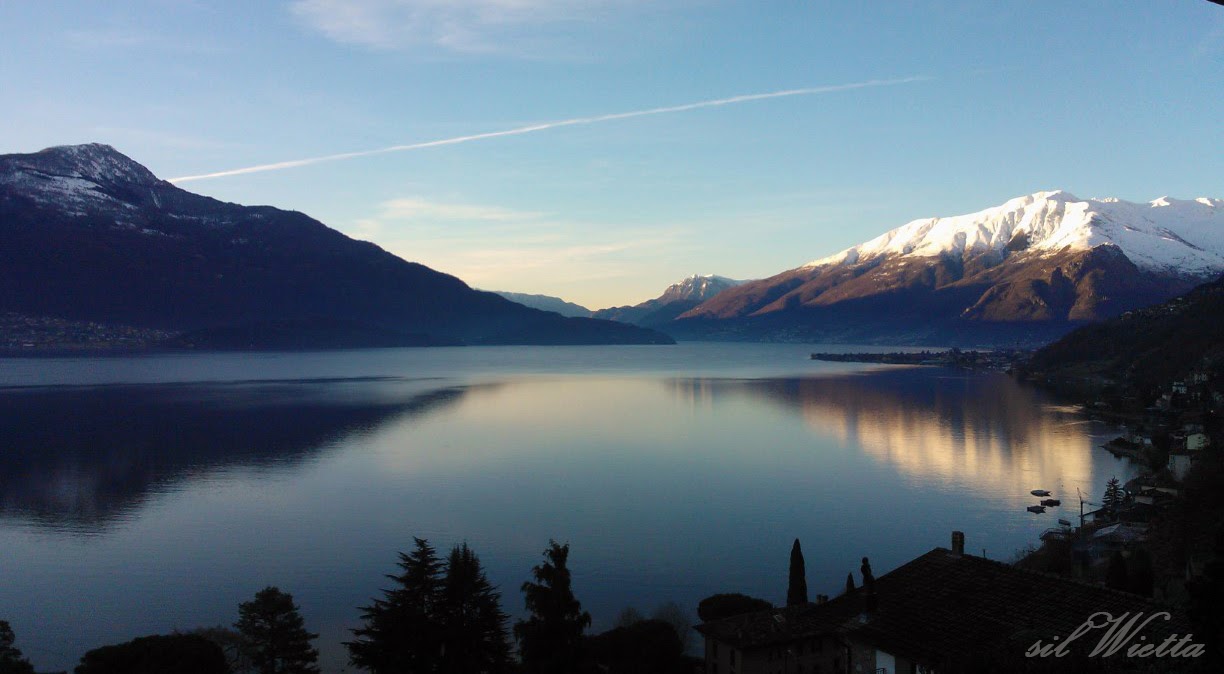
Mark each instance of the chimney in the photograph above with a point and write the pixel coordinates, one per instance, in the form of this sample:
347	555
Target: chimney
958	543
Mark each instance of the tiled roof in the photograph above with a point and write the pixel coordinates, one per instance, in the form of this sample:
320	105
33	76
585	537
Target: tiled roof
943	606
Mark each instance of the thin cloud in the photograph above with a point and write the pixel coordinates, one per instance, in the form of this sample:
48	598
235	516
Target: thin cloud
543	126
462	26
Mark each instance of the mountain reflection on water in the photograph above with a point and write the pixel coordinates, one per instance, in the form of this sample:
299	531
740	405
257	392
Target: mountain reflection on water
128	510
984	433
80	458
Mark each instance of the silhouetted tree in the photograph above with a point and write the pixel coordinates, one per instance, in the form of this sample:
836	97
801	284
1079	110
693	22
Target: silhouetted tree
629	616
158	654
11	659
276	638
672	614
849	583
402	631
550	640
1116	576
796	590
232	645
719	606
869	596
645	647
1112	500
473	638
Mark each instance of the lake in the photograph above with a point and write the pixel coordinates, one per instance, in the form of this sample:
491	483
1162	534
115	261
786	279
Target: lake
140	495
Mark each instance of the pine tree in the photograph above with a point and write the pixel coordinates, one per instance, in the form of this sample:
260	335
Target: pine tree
796	590
473	637
550	640
850	583
402	631
11	659
1113	495
276	638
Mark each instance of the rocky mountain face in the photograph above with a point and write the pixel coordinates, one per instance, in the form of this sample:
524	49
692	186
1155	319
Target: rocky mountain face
678	298
1026	271
87	234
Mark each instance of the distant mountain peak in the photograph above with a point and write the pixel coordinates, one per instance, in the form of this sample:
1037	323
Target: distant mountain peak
96	162
1165	234
698	287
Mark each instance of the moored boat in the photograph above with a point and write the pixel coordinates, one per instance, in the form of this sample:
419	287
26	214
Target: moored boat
1040	492
1036	509
1051	502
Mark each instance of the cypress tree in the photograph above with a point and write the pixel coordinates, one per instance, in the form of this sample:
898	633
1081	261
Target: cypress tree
550	639
276	638
796	590
849	583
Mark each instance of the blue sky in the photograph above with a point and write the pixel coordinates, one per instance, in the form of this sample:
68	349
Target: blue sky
999	99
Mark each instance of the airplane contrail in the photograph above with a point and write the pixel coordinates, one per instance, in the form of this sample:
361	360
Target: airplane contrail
542	126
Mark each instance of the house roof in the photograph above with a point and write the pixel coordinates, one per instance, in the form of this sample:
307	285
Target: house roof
942	606
1121	532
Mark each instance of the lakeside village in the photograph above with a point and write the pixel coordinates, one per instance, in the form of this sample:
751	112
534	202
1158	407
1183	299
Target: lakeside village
1133	582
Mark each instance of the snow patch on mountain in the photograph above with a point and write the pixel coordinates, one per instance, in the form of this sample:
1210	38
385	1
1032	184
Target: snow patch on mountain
1184	237
699	287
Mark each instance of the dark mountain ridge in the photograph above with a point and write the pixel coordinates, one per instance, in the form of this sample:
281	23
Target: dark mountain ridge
1144	349
88	234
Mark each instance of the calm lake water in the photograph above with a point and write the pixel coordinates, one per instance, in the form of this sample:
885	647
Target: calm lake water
142	495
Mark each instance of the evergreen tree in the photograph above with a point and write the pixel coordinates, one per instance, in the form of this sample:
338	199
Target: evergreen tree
11	659
473	626
796	590
276	638
402	631
1113	495
849	583
550	640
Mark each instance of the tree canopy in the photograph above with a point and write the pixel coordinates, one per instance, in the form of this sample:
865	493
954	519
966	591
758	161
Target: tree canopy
11	659
276	638
719	606
550	639
440	616
157	654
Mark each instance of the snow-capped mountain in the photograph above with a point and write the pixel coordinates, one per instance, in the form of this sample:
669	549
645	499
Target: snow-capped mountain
678	298
89	235
697	287
1165	235
1031	268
